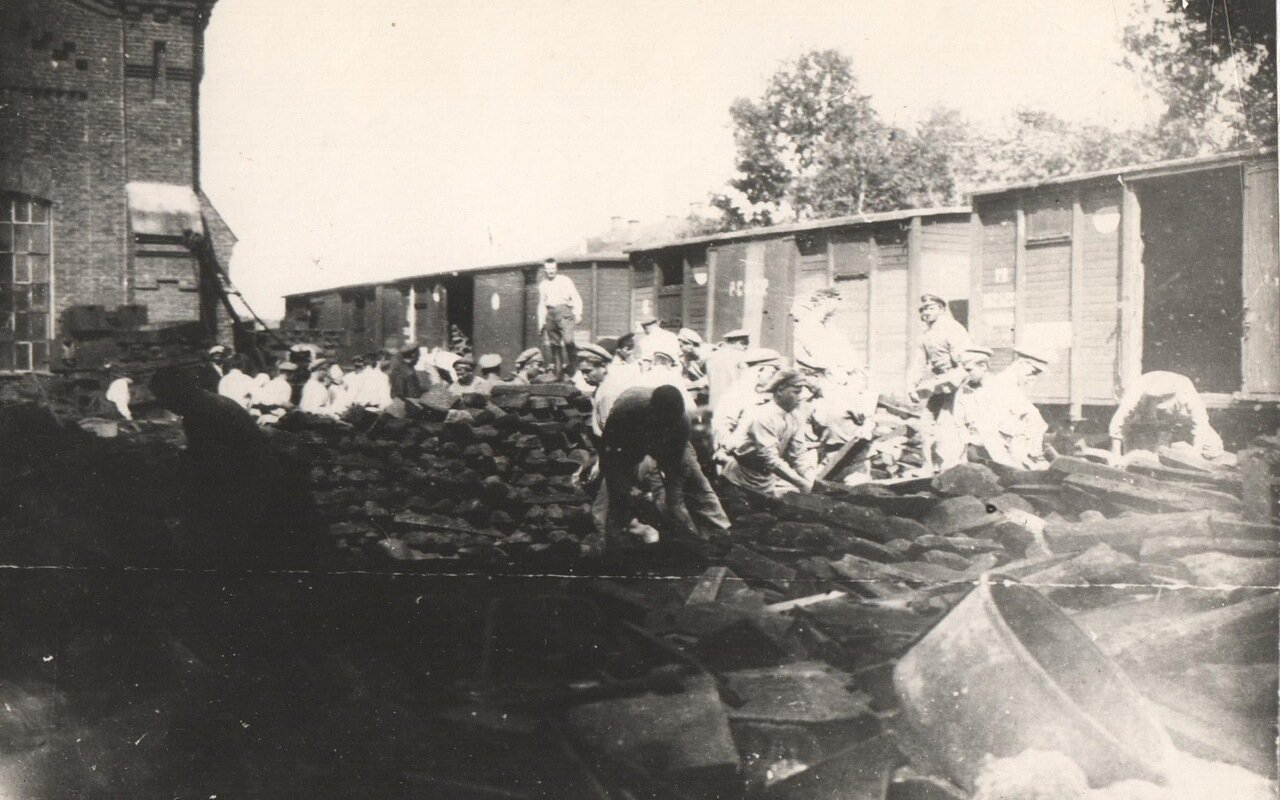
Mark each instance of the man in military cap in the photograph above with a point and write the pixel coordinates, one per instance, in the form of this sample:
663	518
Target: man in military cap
938	370
758	367
490	365
769	457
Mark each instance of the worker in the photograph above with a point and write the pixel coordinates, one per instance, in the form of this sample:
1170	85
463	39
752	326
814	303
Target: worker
402	375
646	435
274	399
235	384
977	412
211	368
593	364
241	506
1163	408
724	364
317	394
490	365
692	363
838	414
559	308
371	386
118	391
467	382
769	457
1021	425
759	365
624	357
937	373
529	367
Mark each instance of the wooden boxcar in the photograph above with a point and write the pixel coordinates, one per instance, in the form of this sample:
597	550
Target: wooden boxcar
1169	266
880	263
495	306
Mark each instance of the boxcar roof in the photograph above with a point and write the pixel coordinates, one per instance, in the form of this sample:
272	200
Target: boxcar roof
1135	171
807	225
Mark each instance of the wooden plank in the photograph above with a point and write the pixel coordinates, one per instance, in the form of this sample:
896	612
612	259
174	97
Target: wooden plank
1206	498
915	264
710	332
1075	390
976	234
1131	290
837	459
1261	283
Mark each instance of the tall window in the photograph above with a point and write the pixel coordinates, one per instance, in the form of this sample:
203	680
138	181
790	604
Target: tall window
24	283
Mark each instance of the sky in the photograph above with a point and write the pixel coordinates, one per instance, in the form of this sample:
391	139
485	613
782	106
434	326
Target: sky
354	141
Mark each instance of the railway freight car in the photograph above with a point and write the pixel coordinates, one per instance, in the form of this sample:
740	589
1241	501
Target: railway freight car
1168	266
494	306
880	263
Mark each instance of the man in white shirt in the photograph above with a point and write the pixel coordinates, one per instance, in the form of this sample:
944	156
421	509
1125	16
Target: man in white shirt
316	397
235	384
559	307
1163	408
274	399
372	387
118	391
759	365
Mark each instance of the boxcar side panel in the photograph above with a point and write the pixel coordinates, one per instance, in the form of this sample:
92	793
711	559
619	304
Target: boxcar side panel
613	300
695	295
889	304
499	313
432	318
944	259
780	267
729	288
1047	301
994	326
580	274
1101	312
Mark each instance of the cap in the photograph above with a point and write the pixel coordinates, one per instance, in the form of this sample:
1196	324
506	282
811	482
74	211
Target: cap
1040	358
810	361
594	352
490	361
286	366
527	356
974	353
737	333
609	343
216	349
647	321
932	299
784	379
761	355
689	335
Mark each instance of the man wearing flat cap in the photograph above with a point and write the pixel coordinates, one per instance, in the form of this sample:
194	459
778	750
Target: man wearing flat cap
529	367
490	365
1020	423
938	371
466	382
979	412
759	364
769	457
559	308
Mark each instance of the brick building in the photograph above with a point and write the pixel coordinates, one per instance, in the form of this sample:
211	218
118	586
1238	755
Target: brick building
100	175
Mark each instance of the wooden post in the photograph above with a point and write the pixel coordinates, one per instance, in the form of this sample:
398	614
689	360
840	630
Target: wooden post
595	300
873	279
1019	272
915	263
976	233
686	282
711	295
1131	290
1075	390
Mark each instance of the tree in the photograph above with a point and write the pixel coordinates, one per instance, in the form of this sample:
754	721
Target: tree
1213	63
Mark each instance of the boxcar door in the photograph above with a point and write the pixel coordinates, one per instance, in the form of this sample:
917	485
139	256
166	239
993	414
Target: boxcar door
499	314
1261	284
729	288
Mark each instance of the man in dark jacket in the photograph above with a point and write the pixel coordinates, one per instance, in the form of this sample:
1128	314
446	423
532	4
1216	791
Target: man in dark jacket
404	375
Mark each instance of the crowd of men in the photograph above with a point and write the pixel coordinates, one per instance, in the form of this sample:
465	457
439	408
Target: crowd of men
775	425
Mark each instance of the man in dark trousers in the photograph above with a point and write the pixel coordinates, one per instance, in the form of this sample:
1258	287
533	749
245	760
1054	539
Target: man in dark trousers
240	504
648	421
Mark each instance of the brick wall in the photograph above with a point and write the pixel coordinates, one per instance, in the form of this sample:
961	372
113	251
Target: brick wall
82	112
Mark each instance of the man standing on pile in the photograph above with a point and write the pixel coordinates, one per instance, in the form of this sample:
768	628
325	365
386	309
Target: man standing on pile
559	307
938	374
769	457
1163	408
724	364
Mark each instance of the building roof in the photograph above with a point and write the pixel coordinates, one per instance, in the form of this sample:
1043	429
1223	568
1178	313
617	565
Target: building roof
1137	171
807	225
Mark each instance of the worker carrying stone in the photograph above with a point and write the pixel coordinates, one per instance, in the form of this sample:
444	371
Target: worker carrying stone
559	309
838	413
937	374
769	459
1163	408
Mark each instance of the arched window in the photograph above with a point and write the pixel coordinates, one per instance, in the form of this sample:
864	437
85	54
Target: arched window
25	269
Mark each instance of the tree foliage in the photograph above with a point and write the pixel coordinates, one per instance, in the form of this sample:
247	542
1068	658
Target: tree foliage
1213	63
